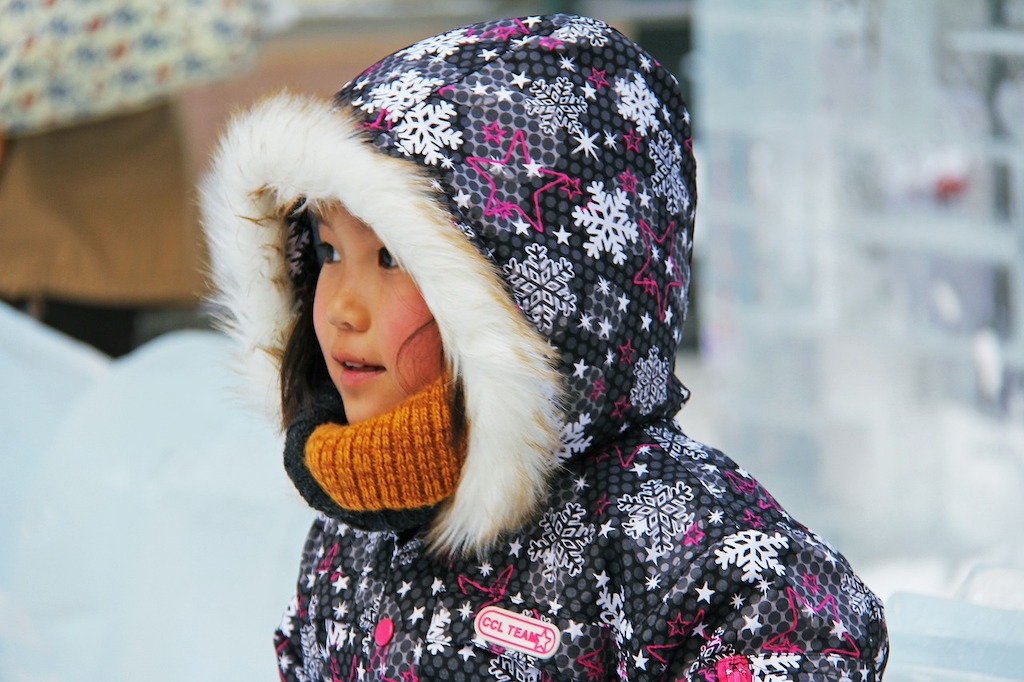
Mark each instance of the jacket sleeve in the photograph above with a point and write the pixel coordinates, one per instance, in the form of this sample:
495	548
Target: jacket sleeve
741	614
292	638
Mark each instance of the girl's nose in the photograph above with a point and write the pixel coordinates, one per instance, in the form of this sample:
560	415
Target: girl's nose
347	307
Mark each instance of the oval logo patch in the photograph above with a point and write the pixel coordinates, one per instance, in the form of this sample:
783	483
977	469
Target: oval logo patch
516	631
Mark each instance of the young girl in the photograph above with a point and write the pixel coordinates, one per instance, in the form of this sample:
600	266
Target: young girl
467	276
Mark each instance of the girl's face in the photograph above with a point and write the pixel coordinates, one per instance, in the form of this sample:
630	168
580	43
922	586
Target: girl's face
377	335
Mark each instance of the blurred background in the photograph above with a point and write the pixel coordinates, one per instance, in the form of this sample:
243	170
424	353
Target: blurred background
855	338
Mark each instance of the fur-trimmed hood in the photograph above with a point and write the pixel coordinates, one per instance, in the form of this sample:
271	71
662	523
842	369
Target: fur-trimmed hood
535	178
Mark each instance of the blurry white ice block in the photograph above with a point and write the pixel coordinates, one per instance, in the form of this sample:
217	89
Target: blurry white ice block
42	375
163	536
942	640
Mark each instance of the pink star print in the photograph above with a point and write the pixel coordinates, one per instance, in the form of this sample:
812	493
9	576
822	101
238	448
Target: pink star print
628	353
753	519
380	122
495	590
626	462
693	535
646	278
572	187
621	405
783	642
632	141
628	181
810	581
517	157
750	487
590	661
677	627
494	132
597	77
550	42
505	32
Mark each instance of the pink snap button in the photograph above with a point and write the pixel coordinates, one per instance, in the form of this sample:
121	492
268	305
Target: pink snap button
384	632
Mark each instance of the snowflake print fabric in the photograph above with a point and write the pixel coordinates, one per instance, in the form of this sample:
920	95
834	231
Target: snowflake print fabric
549	140
559	154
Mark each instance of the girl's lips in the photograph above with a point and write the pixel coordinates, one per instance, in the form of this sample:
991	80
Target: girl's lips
353	373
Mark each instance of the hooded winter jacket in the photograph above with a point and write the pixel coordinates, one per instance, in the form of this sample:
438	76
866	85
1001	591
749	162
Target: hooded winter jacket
535	178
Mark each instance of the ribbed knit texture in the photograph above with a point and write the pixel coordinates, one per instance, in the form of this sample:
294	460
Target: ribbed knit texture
402	459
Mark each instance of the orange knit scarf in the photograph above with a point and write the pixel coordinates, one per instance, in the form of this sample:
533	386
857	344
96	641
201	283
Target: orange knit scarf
402	459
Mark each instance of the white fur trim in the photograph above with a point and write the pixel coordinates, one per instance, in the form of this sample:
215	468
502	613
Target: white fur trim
289	147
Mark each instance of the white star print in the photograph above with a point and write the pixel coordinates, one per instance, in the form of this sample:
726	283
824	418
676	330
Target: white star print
566	62
589	92
554	607
653	582
462	199
485	568
602	578
467	652
562	235
605	529
641	661
586	144
520	80
579	368
737	601
751	623
514	547
611	140
640	469
489	55
580	484
437	586
404	589
653	554
839	629
623	303
417	614
704	593
575	629
340	583
533	169
466	611
645	321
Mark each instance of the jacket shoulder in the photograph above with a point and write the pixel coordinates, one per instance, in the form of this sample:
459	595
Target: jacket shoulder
693	561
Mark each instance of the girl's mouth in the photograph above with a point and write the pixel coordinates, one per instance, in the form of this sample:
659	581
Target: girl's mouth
360	367
355	373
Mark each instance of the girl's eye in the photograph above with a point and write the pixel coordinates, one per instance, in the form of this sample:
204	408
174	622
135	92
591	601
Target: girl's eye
329	254
386	260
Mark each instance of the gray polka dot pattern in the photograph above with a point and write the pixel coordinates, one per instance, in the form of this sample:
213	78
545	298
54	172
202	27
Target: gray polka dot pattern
562	151
657	558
